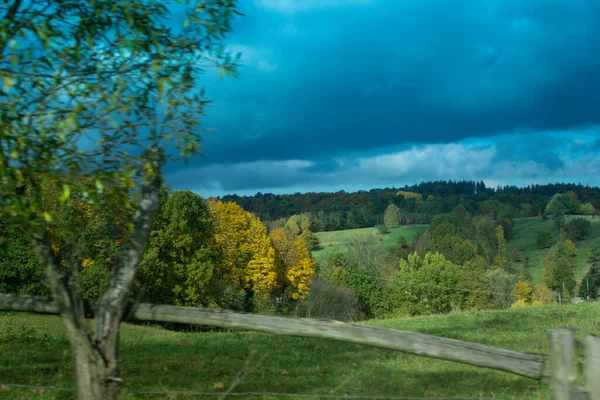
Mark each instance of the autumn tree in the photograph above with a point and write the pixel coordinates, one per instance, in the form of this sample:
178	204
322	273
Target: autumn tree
99	89
245	256
295	266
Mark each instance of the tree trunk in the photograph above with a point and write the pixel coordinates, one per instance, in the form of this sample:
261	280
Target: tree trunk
96	372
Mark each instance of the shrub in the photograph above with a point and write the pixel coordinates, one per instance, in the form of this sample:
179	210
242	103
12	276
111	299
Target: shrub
544	240
329	301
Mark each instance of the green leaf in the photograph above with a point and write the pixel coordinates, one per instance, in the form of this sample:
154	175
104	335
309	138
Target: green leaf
99	186
186	22
47	217
65	194
14	154
9	82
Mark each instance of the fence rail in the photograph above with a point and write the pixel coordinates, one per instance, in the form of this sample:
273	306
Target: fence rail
559	367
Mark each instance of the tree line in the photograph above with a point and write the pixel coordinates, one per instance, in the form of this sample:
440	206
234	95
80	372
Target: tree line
418	204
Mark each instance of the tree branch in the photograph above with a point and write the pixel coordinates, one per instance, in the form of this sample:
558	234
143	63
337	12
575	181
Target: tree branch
68	305
110	308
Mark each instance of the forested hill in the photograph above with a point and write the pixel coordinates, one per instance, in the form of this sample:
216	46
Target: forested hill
417	203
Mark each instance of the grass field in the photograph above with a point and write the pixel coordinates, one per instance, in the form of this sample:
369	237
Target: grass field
525	233
338	238
33	350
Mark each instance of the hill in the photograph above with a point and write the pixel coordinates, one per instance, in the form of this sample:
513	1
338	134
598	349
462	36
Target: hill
524	237
34	351
338	238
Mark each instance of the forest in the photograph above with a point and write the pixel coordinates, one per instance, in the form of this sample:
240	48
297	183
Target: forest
418	203
213	253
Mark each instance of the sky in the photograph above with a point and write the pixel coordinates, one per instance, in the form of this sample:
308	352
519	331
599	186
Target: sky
360	94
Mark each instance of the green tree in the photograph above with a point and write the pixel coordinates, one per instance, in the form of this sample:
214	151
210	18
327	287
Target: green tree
594	253
577	229
178	263
427	285
587	209
20	269
501	283
391	217
364	280
99	89
312	241
544	240
559	269
590	284
558	206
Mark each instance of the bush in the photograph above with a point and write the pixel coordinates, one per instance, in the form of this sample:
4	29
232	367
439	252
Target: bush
590	284
382	229
544	240
20	270
343	270
515	255
577	229
330	302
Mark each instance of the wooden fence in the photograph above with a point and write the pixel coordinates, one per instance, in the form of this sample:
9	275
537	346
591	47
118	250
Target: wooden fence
561	367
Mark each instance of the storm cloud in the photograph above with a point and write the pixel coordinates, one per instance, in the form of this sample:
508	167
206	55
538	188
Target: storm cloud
330	86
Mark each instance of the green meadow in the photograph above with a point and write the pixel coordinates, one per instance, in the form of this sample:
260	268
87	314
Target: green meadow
34	351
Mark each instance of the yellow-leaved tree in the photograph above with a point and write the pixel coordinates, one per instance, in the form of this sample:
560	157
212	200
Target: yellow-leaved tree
245	254
295	265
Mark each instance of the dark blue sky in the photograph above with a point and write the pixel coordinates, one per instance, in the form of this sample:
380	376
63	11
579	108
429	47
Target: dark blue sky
356	94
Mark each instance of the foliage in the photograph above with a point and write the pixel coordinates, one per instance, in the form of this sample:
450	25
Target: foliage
246	258
178	266
544	240
515	256
594	253
391	217
559	271
312	241
590	284
501	283
587	209
342	210
340	270
523	291
427	285
20	269
98	95
570	246
328	301
382	229
295	266
577	229
298	223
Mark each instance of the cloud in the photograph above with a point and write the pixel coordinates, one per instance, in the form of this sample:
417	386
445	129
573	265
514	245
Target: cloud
341	83
457	161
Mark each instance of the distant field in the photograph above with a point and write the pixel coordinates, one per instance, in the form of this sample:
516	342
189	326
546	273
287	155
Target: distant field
338	238
525	233
34	351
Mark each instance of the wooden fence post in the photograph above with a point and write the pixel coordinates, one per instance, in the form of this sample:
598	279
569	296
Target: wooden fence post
563	359
592	366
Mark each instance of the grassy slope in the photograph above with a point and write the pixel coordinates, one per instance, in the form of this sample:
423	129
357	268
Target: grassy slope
337	238
524	240
33	350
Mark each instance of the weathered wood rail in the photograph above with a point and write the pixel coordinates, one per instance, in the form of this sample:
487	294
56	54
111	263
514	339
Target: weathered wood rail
559	367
